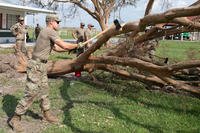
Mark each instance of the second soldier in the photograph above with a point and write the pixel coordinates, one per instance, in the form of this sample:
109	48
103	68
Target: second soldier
19	31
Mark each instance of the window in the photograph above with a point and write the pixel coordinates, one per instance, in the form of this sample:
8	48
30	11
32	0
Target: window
0	20
11	20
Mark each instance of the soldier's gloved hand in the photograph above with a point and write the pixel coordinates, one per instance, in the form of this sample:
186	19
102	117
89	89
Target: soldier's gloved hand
80	45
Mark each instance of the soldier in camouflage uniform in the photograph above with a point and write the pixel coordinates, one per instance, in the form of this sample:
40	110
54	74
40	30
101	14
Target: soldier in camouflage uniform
88	34
37	81
37	31
19	31
79	35
151	46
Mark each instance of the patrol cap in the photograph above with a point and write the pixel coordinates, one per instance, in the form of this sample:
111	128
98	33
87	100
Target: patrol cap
82	24
90	25
52	17
20	19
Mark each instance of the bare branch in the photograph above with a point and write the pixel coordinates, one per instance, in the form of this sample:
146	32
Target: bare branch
195	3
149	7
168	16
187	23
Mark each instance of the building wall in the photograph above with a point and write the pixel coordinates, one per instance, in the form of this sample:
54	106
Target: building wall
195	36
8	18
5	13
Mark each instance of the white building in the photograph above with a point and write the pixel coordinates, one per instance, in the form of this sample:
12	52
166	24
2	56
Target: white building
9	14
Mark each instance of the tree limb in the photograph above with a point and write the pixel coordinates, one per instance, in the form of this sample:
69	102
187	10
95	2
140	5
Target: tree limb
149	7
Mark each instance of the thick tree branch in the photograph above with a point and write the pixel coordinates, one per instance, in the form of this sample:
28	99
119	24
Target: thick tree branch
195	3
149	7
168	16
149	80
187	23
146	66
94	14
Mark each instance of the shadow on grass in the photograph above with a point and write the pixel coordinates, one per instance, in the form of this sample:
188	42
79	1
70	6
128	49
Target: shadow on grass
9	104
192	112
63	57
124	117
105	105
116	111
133	93
67	107
33	115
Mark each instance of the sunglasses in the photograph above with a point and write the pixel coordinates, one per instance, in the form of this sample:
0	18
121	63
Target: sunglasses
57	22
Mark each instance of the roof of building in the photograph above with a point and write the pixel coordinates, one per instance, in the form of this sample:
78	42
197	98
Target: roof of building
15	2
27	9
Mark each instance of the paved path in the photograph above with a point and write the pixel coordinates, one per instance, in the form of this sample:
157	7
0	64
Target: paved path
7	45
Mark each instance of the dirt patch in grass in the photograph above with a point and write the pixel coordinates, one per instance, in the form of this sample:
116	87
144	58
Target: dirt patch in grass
11	83
9	86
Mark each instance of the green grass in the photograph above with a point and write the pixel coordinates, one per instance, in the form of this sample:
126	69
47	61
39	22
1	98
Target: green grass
179	51
59	56
64	33
114	107
2	131
6	50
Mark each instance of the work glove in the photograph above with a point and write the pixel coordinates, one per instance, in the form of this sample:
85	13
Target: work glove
80	45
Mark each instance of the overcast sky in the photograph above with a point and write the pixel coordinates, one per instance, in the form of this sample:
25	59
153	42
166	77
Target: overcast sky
127	14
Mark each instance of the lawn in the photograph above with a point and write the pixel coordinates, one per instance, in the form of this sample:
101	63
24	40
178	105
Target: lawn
117	105
64	33
179	51
114	107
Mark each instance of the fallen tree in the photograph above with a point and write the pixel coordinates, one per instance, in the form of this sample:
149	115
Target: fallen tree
130	52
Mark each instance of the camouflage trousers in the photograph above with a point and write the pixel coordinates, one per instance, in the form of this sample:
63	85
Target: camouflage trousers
151	54
36	87
20	47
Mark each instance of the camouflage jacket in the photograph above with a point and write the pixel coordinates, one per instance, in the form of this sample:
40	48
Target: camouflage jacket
19	31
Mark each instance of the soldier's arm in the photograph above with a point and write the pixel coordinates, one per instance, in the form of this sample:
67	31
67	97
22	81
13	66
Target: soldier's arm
63	45
26	28
59	49
74	35
86	36
13	29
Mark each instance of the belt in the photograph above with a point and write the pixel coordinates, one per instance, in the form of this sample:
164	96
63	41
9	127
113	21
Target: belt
38	59
20	39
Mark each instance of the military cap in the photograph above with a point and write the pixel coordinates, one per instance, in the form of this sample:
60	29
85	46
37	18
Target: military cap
82	24
90	25
52	17
20	19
